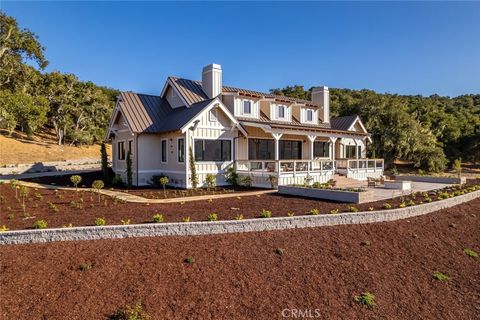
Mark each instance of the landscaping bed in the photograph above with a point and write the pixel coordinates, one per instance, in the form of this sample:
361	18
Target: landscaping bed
66	208
351	195
256	275
149	192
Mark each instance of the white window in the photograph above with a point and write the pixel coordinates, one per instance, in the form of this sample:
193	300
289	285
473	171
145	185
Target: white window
247	107
212	116
281	112
309	115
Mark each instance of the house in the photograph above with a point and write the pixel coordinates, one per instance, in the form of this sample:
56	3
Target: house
259	134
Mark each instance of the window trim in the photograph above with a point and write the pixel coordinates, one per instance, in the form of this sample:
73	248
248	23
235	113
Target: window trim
166	150
213	139
178	148
243	107
124	154
284	109
307	113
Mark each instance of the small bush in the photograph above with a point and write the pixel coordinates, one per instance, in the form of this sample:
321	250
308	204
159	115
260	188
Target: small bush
366	299
314	212
130	313
76	179
470	253
40	224
157	218
100	221
52	207
365	243
239	217
3	228
290	214
266	214
212	217
440	276
334	211
246	181
280	251
402	205
352	209
186	219
411	203
85	266
370	209
190	260
211	180
69	225
125	221
387	206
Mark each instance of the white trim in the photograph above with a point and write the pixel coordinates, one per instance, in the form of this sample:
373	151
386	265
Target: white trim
352	126
161	171
165	89
166	150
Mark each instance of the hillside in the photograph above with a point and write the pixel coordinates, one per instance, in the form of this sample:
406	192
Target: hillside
19	149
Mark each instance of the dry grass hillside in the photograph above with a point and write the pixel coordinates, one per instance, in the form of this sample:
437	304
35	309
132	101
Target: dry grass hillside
20	149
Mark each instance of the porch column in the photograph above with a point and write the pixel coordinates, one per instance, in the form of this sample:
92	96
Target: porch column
332	145
356	152
276	137
312	140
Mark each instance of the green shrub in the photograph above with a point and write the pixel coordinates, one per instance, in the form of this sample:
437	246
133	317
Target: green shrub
76	179
100	221
366	299
334	211
314	212
40	224
440	276
387	206
52	207
3	228
125	221
231	176
190	260
239	217
164	181
290	214
411	203
402	205
370	209
130	313
211	180
186	219
266	214
97	185
352	209
246	181
212	217
85	266
157	218
470	253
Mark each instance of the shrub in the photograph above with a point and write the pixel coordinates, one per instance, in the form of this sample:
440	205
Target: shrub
239	217
193	169
186	219
365	243
190	260
457	166
411	203
157	218
163	181
370	209
246	181
85	266
67	225
440	276
125	221
394	170
231	176
104	157
212	217
76	179
117	180
129	169
280	251
387	206
3	228
290	214
130	313
266	214
470	253
402	205
100	221
38	196
273	180
211	180
334	211
40	224
98	185
366	299
314	212
352	209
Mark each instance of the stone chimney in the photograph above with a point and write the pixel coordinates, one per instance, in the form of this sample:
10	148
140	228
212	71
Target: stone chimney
321	97
212	80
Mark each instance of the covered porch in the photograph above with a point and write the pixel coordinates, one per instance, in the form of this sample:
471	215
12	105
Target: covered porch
295	156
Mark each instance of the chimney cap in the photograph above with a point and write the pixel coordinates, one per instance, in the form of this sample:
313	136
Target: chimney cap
321	88
212	66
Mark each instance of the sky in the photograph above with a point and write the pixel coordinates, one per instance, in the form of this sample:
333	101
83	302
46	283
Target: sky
397	47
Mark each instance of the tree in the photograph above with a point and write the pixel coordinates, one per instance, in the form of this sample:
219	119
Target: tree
98	185
164	181
104	157
193	169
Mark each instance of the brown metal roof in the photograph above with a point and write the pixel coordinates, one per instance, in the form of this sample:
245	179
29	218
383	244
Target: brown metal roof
192	92
343	123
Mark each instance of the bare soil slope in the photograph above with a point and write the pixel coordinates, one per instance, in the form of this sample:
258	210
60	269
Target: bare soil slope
19	149
241	276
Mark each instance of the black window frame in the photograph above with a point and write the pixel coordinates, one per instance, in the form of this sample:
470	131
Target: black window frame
261	149
181	150
121	150
225	150
348	152
163	147
321	149
290	149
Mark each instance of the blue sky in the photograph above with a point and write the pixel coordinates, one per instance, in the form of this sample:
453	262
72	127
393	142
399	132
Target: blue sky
405	48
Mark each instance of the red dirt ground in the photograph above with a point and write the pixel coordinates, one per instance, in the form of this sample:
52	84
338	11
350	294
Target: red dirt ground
37	208
240	276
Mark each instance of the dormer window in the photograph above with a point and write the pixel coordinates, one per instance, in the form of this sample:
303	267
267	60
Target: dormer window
310	115
281	112
247	107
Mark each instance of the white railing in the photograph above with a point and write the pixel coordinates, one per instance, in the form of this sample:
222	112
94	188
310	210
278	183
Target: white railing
354	164
284	166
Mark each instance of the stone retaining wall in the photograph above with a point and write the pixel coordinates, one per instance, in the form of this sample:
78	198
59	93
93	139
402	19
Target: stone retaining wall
432	179
328	194
52	166
231	226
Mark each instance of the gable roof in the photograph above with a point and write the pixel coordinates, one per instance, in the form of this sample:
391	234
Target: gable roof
343	123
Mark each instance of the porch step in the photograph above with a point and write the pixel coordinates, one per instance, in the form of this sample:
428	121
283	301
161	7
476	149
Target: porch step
342	181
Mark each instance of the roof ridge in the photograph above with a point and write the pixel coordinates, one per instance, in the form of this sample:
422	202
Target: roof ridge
143	94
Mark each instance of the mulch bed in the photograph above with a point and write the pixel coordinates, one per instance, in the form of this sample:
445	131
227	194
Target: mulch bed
149	192
64	207
241	276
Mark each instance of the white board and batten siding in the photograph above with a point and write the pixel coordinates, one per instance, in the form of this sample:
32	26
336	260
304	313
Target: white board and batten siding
216	126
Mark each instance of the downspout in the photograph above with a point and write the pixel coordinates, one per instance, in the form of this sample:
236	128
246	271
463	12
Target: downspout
136	156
